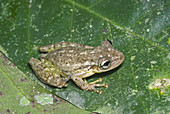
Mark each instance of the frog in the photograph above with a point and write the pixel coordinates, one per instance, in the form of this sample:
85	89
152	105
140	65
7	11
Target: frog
62	61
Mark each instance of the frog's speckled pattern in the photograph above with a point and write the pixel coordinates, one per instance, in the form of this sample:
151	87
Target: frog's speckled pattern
65	60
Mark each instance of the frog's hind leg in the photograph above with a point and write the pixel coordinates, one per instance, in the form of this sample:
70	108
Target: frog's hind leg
46	72
62	44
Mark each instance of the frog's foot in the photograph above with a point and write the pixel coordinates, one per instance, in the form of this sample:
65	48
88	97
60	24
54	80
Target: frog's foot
99	85
46	73
92	85
89	87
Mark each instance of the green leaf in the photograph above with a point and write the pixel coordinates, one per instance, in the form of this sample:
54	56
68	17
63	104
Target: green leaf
139	29
19	94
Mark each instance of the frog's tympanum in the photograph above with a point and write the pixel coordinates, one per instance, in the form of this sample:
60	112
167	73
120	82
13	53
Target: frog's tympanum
65	60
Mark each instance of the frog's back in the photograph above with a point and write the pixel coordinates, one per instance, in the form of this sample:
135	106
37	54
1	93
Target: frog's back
69	59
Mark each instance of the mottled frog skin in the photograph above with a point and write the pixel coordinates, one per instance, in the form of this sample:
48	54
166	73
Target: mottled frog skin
66	60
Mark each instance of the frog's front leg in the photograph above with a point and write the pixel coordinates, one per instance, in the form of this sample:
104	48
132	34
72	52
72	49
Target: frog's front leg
78	79
47	73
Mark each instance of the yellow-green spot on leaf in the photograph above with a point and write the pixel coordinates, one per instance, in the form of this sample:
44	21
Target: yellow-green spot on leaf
168	40
24	101
158	13
44	98
168	56
140	22
146	20
134	91
153	62
161	84
132	58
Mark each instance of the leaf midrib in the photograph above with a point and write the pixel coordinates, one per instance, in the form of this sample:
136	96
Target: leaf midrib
127	30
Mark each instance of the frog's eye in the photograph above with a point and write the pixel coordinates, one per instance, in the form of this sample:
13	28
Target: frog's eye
104	63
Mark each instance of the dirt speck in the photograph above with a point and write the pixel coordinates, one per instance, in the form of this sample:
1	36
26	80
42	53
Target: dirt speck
1	94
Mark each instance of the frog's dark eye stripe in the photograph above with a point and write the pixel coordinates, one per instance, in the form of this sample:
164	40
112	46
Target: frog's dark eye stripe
104	63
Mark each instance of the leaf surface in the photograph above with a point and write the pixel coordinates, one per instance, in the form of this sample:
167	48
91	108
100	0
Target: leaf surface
19	94
139	29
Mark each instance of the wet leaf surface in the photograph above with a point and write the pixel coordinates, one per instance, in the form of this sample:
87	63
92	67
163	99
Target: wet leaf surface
19	94
139	29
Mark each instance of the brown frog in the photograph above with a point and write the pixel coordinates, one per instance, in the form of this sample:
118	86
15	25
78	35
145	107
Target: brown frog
66	60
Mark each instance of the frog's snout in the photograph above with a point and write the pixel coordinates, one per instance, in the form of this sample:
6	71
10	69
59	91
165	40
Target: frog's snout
117	60
122	57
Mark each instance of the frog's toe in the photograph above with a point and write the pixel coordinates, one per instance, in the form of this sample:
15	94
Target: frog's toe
92	87
99	92
94	83
98	80
102	85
